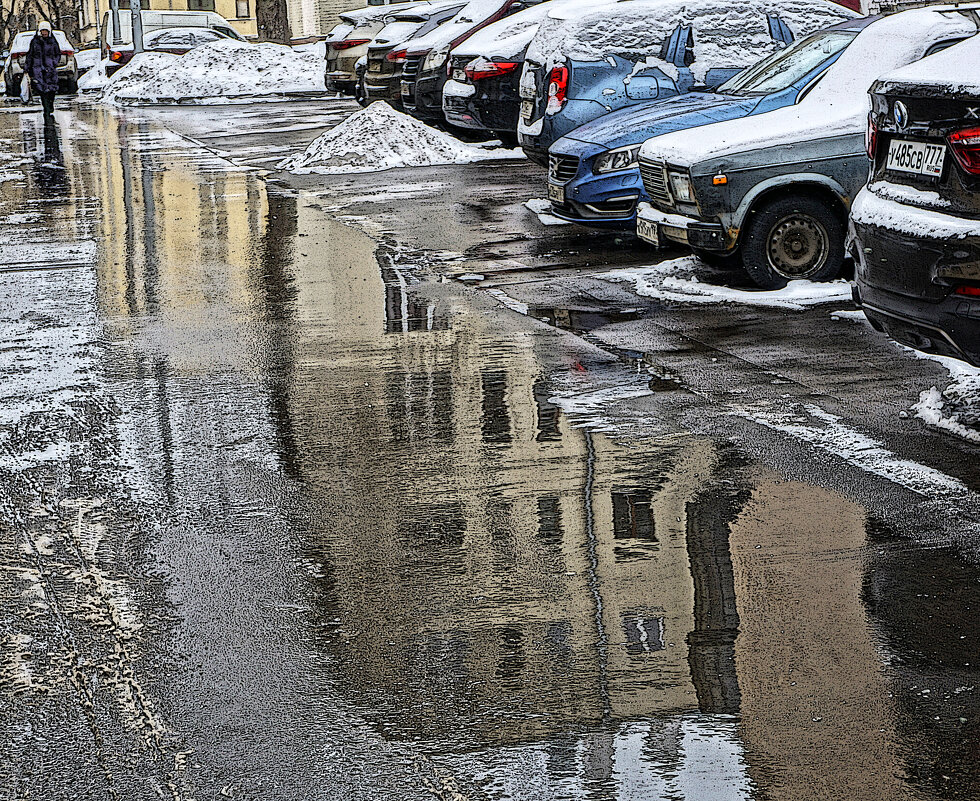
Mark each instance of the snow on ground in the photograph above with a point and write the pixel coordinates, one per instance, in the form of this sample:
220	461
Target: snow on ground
678	280
542	207
379	138
222	70
95	79
955	409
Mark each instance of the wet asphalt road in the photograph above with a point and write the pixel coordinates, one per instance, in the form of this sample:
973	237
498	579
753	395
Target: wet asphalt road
288	511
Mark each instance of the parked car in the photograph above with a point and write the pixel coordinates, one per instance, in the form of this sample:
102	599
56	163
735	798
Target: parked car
773	196
13	68
87	57
119	49
915	228
581	66
344	53
482	92
593	175
424	71
386	53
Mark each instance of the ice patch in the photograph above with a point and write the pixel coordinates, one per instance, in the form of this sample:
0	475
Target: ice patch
379	138
508	301
542	207
676	280
227	69
850	315
827	432
589	407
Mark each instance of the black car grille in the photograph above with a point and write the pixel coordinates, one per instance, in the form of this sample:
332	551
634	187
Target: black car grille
411	68
654	175
562	169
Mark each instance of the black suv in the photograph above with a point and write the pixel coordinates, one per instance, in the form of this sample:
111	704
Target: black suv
915	229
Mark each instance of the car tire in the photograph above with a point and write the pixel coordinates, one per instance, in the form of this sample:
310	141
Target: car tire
507	138
71	87
794	237
727	261
360	92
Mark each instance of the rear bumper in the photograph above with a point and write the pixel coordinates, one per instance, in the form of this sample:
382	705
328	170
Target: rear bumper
424	98
383	87
905	282
340	81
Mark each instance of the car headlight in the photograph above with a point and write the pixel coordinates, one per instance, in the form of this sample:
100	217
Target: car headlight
622	158
435	58
680	186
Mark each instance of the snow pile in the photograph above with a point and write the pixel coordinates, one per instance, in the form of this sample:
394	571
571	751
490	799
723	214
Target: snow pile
955	409
225	69
838	105
95	79
379	138
725	34
542	207
677	280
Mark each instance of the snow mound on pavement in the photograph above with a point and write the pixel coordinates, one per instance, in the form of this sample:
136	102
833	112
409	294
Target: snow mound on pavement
955	409
226	69
678	280
379	138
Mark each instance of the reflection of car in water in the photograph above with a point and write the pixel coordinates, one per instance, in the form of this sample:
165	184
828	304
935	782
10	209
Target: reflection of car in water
581	66
13	68
773	196
916	226
593	174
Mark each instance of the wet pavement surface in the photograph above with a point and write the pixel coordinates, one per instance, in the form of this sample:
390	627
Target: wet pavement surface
289	511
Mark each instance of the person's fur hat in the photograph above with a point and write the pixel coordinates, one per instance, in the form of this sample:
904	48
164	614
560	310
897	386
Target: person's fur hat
44	26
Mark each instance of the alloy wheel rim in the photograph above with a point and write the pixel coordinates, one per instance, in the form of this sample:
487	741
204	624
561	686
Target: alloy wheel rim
798	246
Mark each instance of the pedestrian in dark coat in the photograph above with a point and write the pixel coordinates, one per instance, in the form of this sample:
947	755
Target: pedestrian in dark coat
41	64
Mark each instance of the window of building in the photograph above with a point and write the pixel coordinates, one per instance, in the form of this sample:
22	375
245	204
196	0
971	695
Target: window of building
200	5
241	8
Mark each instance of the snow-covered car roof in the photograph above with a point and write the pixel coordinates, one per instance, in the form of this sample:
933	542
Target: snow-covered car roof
510	35
726	34
23	40
372	14
469	16
954	71
837	105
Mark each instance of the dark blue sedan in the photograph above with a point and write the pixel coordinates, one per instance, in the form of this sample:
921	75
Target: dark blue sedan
593	175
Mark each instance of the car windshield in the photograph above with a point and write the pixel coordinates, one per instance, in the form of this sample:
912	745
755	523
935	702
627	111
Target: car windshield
786	67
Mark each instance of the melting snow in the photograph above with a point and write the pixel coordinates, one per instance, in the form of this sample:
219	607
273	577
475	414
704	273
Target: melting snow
542	208
379	138
227	69
677	280
955	409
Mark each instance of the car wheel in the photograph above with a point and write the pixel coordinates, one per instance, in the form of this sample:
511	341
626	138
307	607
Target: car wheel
792	238
507	138
71	87
728	261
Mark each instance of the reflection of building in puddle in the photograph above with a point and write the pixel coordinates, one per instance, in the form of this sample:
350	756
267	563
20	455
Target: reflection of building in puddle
816	718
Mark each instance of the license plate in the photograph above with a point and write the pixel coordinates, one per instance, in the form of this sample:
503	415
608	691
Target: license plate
556	194
916	158
406	89
527	109
647	231
459	75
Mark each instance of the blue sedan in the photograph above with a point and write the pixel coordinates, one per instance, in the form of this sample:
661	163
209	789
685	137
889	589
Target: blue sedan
593	175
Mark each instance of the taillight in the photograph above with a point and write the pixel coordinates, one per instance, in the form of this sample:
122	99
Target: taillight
115	55
965	145
970	291
481	68
67	53
18	54
346	44
871	138
398	56
557	90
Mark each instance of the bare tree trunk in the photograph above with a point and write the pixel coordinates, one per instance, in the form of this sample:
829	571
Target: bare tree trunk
272	21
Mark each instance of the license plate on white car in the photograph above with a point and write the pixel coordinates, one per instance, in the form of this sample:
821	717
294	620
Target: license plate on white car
459	75
916	158
527	109
647	231
556	194
406	89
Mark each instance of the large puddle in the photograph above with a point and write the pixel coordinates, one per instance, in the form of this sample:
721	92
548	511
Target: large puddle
385	545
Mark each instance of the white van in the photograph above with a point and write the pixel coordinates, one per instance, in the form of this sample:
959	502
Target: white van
155	20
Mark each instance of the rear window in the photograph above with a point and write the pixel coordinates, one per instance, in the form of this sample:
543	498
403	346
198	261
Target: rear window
23	40
398	31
